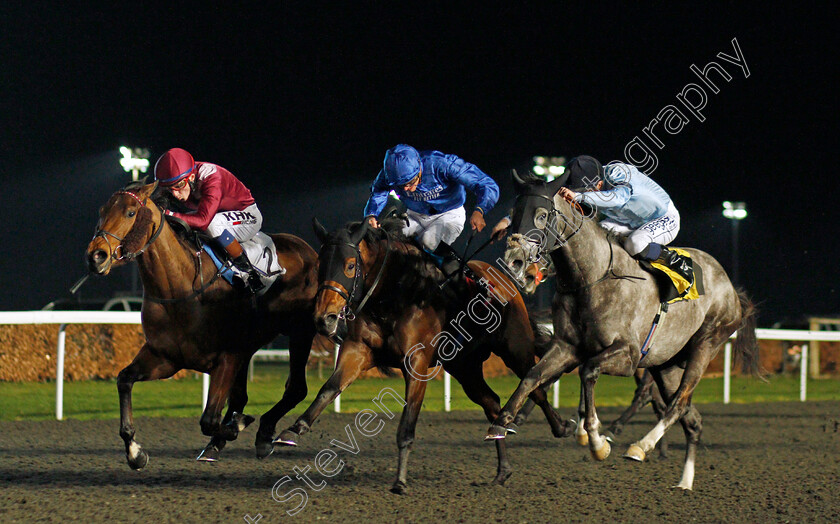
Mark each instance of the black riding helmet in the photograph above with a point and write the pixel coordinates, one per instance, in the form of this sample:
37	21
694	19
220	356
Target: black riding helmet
584	173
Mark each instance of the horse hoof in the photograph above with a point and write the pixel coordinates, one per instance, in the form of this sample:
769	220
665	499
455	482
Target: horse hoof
209	454
601	453
242	421
501	478
582	438
495	433
399	488
680	486
634	452
139	461
513	429
286	438
263	447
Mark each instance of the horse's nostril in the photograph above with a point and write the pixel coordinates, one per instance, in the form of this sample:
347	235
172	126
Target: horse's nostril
331	319
516	265
99	256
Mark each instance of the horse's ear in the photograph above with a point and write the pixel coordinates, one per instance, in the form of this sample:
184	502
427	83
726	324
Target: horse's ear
518	183
320	230
555	185
361	232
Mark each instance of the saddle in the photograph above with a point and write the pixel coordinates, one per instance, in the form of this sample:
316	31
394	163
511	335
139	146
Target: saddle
259	250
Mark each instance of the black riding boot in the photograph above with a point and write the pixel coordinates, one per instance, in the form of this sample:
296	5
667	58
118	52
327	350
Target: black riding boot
451	263
243	264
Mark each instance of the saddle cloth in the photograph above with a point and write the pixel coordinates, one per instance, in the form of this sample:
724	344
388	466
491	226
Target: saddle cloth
261	252
674	287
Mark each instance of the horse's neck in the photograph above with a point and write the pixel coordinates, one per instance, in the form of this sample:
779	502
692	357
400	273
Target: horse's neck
168	266
585	253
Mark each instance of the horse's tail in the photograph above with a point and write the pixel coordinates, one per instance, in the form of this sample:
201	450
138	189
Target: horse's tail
745	346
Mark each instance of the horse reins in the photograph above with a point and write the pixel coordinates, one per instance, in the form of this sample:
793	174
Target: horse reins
609	274
132	255
348	312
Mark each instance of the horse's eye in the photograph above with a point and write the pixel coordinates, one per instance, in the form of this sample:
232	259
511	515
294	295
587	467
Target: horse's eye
540	219
351	266
131	213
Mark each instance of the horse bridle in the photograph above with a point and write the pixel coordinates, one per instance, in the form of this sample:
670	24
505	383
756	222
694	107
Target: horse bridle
348	312
132	255
105	234
553	212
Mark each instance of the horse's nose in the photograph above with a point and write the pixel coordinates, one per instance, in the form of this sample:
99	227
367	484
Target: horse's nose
97	259
327	324
516	264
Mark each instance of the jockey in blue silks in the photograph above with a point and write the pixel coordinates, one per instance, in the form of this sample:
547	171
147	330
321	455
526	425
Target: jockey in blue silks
432	186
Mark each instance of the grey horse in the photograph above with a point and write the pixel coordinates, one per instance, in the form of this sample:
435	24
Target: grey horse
603	309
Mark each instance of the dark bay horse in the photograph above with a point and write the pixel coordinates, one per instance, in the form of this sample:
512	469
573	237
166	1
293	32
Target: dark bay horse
603	309
193	320
405	321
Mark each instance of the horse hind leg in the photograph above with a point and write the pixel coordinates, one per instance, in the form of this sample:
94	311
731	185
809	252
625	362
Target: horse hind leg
235	419
692	425
145	366
294	393
679	405
642	395
581	437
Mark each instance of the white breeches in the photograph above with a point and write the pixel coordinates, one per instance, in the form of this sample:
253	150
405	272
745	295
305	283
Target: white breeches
431	230
662	230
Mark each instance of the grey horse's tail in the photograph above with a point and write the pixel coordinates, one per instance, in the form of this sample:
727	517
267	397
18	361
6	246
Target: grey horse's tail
745	346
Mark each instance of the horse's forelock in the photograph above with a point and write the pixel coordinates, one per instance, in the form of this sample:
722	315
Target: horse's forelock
136	236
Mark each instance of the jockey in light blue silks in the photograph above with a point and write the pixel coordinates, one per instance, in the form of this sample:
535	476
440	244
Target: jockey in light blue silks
432	186
634	206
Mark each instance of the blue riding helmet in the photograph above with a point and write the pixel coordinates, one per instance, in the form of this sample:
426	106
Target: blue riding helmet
401	164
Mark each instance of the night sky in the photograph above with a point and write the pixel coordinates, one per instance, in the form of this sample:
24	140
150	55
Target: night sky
301	104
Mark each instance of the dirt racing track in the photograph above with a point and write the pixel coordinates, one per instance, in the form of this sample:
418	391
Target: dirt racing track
756	463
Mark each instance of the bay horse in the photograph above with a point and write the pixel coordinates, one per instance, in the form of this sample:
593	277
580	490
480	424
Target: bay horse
406	321
194	320
603	309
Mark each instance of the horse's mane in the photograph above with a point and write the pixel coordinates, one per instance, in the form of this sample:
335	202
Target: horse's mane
418	280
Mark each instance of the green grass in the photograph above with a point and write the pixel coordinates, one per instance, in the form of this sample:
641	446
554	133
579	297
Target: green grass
182	398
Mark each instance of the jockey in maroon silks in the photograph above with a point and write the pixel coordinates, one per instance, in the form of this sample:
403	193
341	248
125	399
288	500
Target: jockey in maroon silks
214	201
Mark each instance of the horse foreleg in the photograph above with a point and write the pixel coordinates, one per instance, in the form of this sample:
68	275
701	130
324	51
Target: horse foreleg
557	361
614	360
353	359
300	347
235	419
415	390
145	366
527	408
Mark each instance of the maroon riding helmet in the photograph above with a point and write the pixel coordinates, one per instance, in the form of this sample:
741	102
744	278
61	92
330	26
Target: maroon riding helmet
173	166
